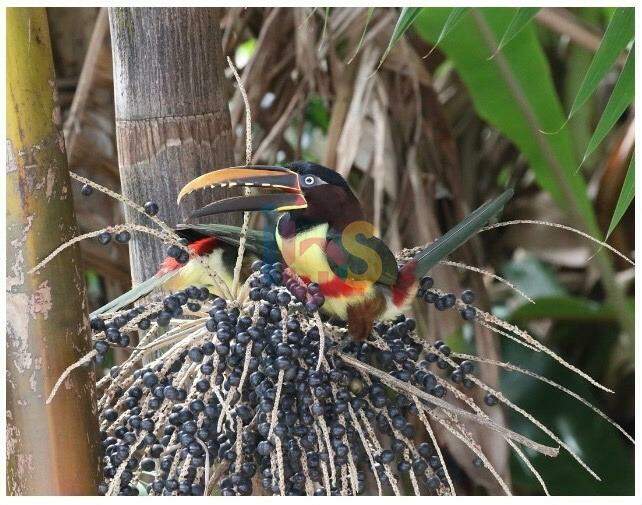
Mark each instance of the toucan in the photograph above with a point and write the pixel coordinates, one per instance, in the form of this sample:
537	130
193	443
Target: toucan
324	237
180	270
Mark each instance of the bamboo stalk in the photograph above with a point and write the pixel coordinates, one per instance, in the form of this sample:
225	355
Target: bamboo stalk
51	449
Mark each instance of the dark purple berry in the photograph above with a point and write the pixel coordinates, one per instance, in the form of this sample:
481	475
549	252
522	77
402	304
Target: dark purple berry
151	208
490	399
468	313
123	237
467	366
468	297
431	297
101	346
97	324
104	238
426	282
183	257
173	251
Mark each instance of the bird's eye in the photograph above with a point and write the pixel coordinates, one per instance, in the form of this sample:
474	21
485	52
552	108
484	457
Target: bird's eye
308	180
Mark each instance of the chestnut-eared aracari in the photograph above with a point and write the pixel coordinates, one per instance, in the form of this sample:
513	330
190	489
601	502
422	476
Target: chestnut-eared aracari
323	237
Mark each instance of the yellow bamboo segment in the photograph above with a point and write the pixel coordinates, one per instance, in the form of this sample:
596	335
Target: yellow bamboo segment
51	449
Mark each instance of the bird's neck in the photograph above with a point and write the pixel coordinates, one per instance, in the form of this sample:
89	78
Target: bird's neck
337	218
290	224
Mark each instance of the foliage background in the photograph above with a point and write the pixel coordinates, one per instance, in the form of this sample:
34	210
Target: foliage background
424	140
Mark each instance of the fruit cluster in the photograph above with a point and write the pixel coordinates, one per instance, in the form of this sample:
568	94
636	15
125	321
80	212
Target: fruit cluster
259	395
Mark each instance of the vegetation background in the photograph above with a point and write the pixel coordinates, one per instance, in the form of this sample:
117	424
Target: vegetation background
427	120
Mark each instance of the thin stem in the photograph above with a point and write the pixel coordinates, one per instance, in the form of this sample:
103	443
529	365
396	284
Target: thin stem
248	160
87	74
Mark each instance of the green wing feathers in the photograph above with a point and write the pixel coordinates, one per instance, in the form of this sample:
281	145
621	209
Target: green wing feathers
260	243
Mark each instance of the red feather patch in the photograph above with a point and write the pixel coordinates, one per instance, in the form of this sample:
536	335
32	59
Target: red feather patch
203	246
337	287
200	247
405	283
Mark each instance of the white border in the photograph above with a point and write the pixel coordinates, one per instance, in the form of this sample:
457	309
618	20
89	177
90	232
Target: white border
355	3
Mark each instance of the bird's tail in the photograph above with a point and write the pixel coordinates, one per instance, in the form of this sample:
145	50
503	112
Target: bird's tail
142	289
427	258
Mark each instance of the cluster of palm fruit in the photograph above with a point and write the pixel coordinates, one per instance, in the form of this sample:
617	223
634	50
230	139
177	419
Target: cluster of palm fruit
240	401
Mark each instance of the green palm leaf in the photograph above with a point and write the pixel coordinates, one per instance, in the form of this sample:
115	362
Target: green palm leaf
451	21
618	34
620	99
626	196
406	18
468	49
521	18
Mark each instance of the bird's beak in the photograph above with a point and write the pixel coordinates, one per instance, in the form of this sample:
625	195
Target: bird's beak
283	186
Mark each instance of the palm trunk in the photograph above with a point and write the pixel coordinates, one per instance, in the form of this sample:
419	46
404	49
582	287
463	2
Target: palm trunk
51	449
172	118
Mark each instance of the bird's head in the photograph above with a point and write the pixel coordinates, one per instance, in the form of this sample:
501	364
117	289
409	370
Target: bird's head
305	189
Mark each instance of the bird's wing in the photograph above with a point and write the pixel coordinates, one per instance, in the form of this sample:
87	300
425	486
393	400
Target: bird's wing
361	258
260	243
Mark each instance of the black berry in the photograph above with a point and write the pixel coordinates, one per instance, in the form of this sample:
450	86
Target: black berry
151	208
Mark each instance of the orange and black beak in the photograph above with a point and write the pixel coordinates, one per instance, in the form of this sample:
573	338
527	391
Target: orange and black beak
282	185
